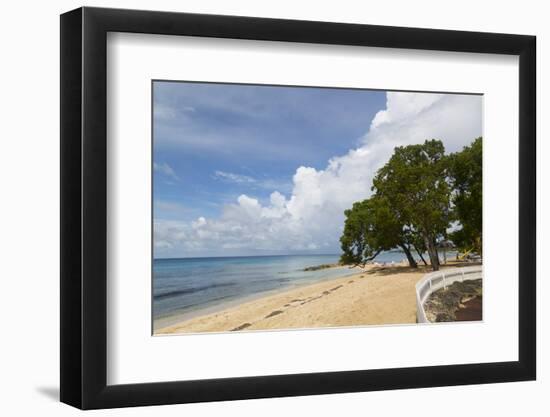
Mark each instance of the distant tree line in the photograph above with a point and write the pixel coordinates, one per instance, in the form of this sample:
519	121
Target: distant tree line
418	196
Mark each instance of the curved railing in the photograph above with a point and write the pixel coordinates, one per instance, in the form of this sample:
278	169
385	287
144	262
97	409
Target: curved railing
441	279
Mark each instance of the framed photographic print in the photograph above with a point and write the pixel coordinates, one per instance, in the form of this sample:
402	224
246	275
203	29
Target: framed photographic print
258	207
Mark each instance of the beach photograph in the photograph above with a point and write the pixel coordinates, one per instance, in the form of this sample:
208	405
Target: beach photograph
286	207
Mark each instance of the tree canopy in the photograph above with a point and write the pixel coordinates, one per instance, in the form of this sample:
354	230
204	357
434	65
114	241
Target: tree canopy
370	228
414	183
465	174
417	195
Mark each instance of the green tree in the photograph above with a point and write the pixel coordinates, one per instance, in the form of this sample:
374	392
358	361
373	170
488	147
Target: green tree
415	186
465	176
371	228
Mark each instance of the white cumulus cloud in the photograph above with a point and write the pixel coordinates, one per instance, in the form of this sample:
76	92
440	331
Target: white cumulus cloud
312	216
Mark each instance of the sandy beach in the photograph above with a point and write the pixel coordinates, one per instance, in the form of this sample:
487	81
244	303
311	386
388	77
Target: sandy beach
377	295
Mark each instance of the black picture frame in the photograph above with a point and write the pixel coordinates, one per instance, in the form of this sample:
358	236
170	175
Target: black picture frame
84	207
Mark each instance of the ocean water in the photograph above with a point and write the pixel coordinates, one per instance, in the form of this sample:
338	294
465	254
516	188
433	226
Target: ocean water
184	286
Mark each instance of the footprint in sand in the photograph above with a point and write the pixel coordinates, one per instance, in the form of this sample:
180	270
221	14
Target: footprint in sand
310	299
335	288
273	313
241	327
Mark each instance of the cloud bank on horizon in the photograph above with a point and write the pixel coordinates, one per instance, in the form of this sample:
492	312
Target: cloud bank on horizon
308	216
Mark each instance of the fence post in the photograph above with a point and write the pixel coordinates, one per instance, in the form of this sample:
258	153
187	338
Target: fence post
444	281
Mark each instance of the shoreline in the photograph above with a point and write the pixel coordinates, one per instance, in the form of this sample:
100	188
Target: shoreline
373	296
168	321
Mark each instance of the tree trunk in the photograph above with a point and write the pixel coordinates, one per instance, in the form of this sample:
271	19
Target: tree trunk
362	265
421	257
412	262
437	254
374	256
432	252
479	245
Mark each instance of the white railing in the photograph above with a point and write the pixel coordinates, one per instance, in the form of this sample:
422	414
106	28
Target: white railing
441	279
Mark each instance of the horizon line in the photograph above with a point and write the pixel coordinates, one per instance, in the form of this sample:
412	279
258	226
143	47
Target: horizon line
247	256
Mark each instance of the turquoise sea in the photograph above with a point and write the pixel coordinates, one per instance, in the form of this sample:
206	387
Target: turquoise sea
187	285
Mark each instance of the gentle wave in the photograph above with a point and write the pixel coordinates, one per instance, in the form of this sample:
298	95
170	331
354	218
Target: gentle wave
175	293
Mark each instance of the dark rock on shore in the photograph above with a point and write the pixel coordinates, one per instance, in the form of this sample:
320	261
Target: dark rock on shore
319	267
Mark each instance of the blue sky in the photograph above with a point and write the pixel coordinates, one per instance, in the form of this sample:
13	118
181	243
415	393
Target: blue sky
261	170
218	141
